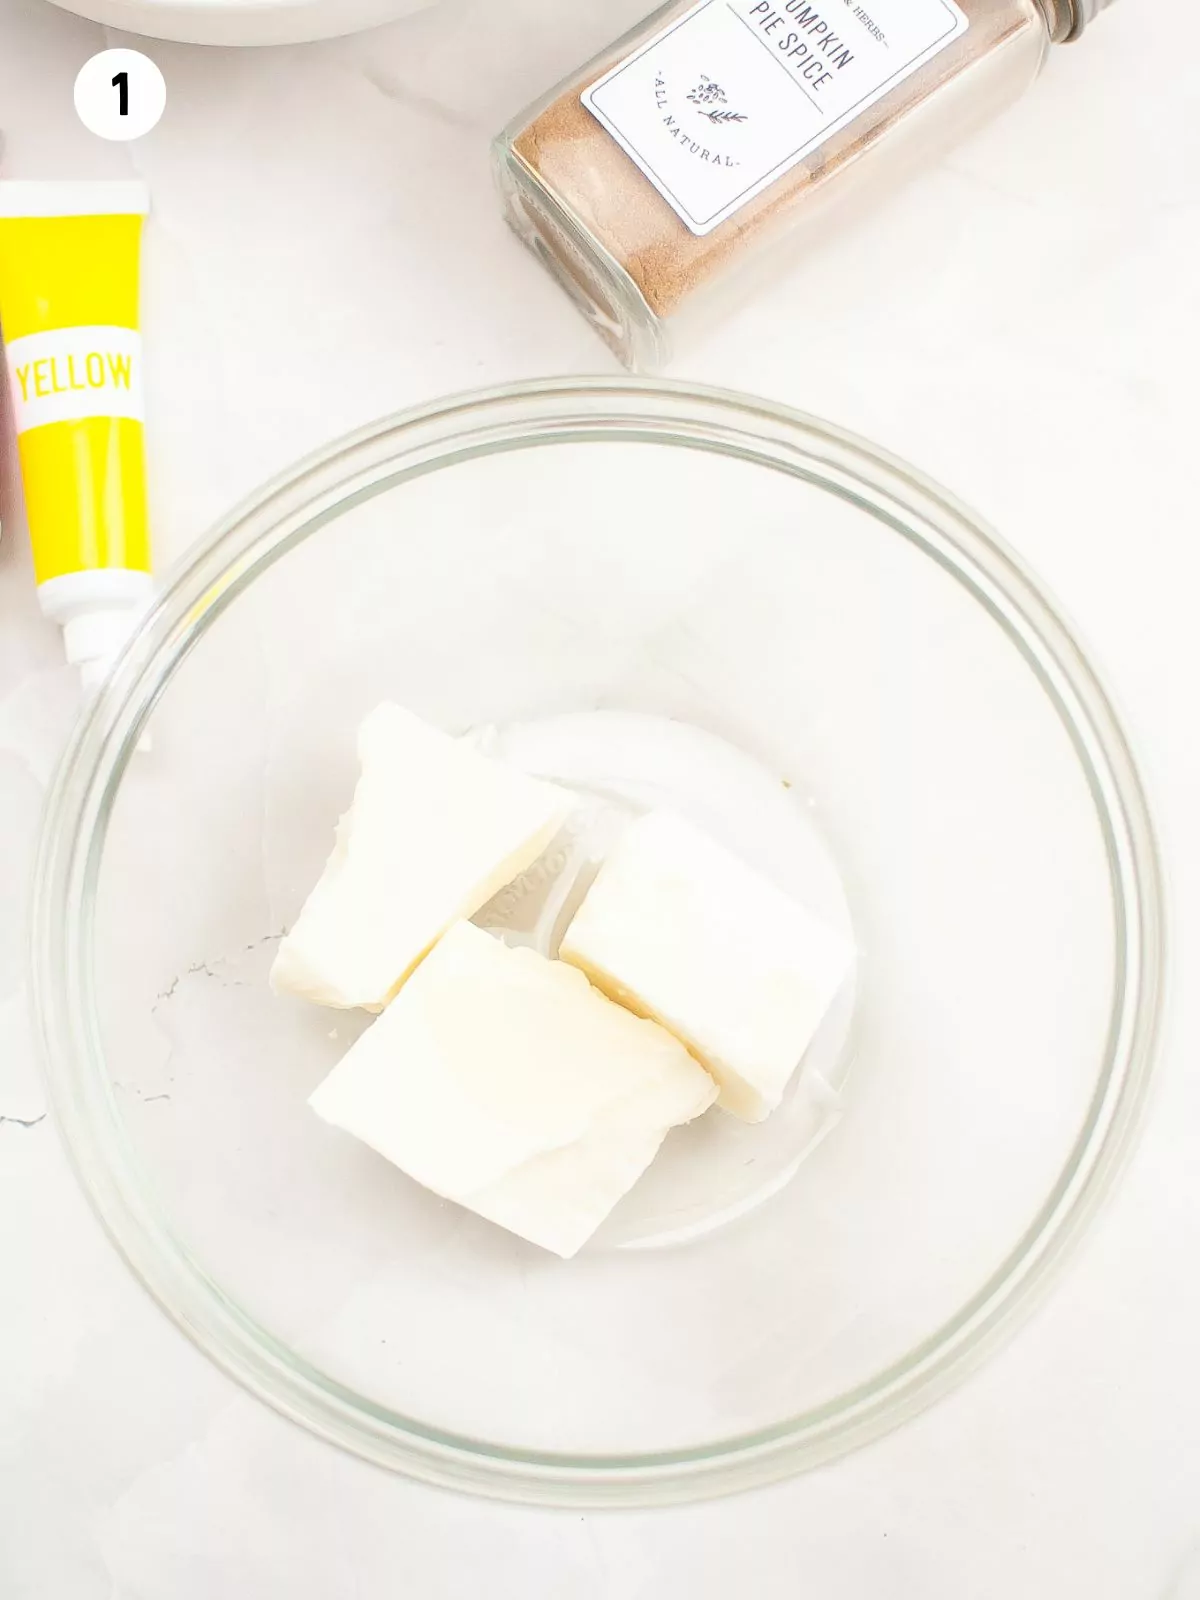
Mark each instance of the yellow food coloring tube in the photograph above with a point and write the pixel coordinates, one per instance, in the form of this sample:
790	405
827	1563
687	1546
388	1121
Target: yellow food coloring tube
69	268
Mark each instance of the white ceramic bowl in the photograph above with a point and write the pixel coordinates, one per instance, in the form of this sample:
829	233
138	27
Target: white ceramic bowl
242	21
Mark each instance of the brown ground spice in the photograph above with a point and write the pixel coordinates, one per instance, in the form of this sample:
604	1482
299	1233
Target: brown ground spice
568	150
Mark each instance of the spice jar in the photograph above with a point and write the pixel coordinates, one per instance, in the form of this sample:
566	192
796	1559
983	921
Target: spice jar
715	131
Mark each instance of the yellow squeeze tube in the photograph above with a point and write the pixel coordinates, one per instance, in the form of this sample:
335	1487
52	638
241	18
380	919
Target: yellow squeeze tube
69	259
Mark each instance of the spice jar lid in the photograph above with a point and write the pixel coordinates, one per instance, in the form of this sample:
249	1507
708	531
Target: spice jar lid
1083	12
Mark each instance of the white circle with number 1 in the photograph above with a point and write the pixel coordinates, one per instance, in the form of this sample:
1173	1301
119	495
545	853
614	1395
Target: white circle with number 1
120	94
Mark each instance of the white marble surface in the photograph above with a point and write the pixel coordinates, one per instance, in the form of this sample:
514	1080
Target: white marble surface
325	248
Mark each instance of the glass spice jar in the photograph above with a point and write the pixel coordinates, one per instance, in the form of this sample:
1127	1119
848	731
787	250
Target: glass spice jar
653	176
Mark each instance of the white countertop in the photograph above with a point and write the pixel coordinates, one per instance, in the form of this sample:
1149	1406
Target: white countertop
325	247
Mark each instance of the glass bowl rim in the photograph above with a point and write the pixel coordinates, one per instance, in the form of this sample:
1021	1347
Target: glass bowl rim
289	509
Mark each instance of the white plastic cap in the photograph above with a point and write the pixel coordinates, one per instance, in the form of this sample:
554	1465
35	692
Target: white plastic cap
97	611
93	640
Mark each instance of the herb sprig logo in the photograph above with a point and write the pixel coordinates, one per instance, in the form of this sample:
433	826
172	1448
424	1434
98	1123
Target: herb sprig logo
712	102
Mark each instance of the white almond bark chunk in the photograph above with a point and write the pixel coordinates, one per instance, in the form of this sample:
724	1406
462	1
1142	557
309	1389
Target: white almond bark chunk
504	1081
435	830
677	928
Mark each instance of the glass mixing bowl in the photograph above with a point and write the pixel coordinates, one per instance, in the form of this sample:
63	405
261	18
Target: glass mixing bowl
653	592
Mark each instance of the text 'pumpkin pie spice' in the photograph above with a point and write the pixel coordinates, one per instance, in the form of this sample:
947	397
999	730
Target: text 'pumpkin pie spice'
654	175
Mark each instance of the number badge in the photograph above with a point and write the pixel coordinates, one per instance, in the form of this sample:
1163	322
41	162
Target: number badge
120	94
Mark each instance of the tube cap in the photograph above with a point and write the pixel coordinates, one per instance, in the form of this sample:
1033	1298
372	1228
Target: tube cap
97	609
93	639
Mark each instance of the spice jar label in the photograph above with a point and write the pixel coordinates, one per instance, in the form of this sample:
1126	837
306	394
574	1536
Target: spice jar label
733	94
